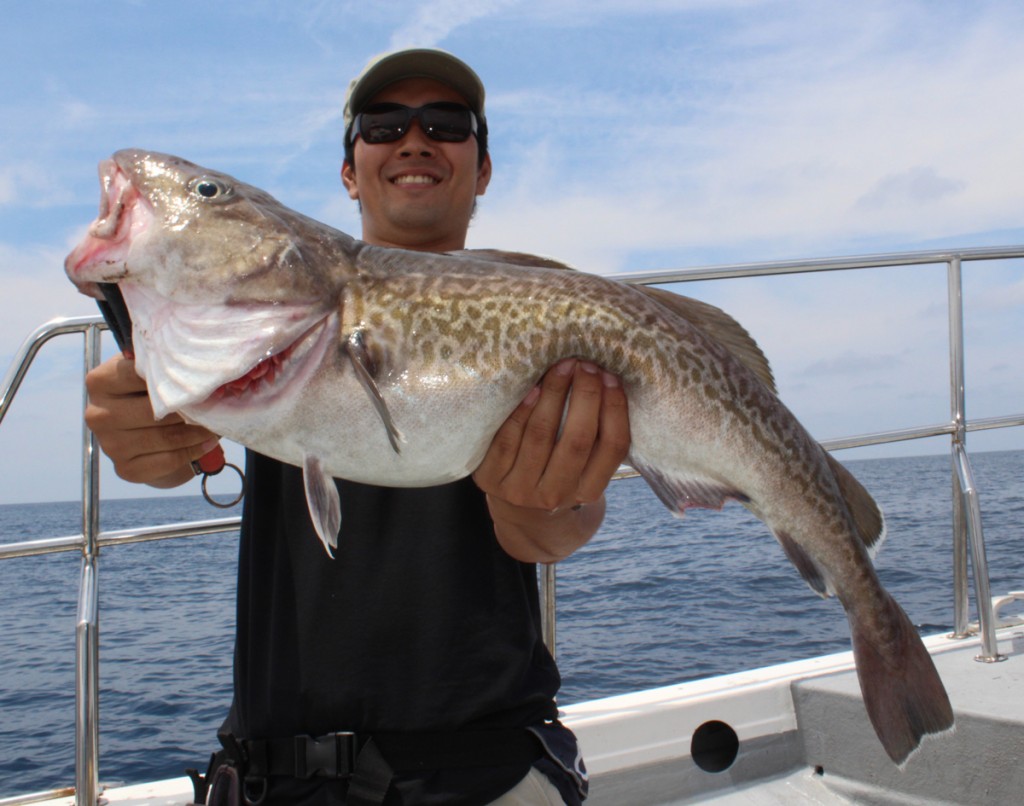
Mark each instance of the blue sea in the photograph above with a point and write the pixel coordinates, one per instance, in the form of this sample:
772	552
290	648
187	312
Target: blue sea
650	601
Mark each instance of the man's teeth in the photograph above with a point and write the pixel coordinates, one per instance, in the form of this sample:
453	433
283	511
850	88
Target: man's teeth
415	180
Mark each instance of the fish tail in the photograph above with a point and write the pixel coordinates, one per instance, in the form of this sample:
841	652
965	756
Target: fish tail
902	690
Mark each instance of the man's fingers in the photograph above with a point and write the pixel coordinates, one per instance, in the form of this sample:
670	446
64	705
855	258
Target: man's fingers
542	428
562	446
114	377
520	449
579	429
147	454
142	449
612	445
504	448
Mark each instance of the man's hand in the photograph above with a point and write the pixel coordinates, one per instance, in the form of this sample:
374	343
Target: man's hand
143	449
545	489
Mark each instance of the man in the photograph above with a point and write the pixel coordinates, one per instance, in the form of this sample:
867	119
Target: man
414	658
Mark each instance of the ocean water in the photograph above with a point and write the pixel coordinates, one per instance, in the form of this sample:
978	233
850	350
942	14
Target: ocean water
651	601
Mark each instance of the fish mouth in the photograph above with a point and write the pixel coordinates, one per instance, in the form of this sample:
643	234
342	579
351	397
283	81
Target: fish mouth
101	255
261	375
268	374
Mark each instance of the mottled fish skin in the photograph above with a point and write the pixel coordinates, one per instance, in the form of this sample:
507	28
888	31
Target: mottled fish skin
396	368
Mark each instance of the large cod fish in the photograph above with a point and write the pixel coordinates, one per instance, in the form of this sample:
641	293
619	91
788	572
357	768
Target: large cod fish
396	368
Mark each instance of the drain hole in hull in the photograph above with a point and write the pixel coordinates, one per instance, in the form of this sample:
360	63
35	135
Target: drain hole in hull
714	746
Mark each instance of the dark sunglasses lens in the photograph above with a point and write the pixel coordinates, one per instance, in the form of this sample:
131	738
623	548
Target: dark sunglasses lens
384	126
448	123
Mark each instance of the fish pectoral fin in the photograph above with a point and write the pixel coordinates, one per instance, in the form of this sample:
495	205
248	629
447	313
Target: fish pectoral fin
682	493
362	363
867	516
323	502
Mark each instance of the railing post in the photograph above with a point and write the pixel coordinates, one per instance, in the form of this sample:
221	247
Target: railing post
982	591
966	509
547	606
957	400
87	689
87	631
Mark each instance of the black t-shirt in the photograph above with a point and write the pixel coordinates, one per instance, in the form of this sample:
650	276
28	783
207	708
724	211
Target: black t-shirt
420	622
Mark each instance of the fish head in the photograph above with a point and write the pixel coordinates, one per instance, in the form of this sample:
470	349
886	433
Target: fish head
191	234
222	281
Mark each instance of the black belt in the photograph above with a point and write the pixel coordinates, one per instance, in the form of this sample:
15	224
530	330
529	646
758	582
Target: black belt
370	760
335	754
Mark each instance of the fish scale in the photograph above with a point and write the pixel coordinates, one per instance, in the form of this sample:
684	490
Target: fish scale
396	368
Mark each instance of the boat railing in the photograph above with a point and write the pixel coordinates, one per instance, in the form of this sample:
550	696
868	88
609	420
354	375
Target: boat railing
968	538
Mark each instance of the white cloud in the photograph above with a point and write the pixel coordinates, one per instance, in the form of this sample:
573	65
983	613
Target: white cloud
77	113
35	291
434	21
918	186
30	185
811	130
7	193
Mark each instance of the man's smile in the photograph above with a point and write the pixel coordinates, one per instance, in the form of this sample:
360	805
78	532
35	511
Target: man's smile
414	179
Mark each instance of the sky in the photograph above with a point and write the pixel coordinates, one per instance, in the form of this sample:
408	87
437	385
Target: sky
627	135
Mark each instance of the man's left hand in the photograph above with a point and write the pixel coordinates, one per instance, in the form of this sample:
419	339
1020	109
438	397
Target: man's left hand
545	478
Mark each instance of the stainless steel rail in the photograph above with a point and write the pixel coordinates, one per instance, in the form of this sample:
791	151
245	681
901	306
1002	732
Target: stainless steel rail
967	526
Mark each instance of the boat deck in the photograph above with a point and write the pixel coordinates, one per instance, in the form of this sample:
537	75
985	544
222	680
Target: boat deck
803	737
819	747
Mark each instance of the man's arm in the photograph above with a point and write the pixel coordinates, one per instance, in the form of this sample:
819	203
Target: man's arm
145	450
545	490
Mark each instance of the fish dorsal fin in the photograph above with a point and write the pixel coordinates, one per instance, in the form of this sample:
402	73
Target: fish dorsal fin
513	258
866	514
363	364
323	502
722	328
713	322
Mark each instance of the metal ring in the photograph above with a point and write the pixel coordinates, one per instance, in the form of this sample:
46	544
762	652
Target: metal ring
236	499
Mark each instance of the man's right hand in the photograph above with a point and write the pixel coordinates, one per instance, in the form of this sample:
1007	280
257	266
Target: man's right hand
145	450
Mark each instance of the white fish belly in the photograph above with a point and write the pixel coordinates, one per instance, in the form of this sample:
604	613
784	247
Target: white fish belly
444	432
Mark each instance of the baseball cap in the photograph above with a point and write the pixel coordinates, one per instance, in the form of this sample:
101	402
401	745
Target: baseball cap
414	63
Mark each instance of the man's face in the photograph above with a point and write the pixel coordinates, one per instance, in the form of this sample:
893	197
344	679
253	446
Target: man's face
416	193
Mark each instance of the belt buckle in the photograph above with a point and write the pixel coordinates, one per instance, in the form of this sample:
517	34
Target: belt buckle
331	756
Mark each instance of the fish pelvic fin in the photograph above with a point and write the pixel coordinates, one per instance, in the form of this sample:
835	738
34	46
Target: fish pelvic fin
323	502
866	514
903	693
365	368
682	493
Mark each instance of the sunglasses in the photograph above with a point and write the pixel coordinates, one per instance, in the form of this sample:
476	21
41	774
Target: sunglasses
387	123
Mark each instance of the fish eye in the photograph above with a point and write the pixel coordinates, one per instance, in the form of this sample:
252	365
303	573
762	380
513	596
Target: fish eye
209	188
